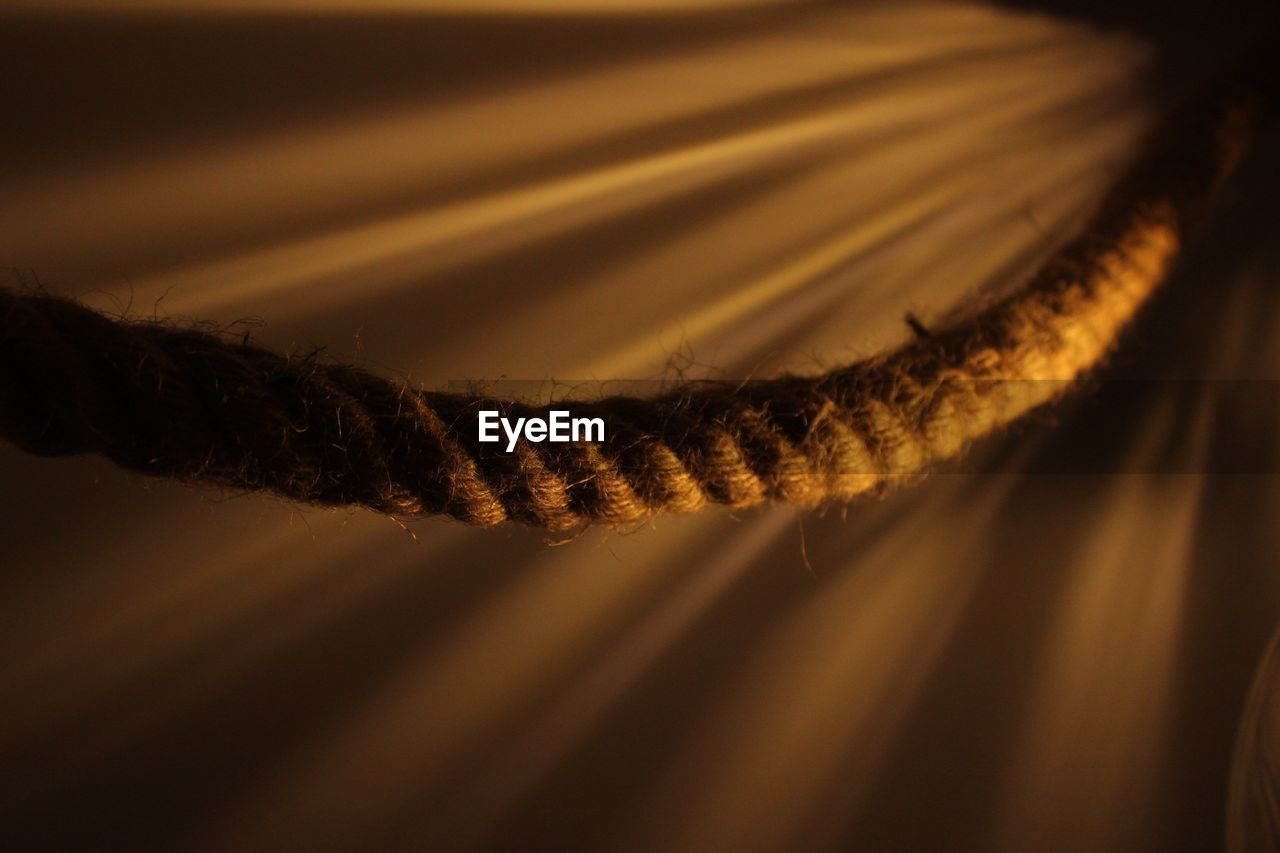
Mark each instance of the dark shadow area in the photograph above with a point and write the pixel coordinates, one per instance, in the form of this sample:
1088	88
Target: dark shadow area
83	86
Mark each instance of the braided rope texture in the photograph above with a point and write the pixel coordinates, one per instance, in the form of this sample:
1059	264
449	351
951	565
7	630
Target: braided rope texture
182	403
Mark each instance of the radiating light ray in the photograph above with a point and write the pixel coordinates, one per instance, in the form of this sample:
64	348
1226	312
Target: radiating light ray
119	607
953	186
156	639
723	271
242	189
444	702
932	257
1088	759
466	818
251	636
156	607
376	254
821	696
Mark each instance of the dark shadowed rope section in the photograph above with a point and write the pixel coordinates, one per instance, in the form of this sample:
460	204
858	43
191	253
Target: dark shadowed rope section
181	403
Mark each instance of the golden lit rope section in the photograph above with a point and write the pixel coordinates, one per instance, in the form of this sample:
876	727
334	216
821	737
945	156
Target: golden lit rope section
183	403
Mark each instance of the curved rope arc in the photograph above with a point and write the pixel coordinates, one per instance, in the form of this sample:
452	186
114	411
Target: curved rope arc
181	403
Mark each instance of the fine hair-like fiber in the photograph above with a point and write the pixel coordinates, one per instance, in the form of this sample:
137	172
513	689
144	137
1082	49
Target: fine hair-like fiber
182	403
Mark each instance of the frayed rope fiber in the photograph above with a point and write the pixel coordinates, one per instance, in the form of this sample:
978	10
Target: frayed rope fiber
181	403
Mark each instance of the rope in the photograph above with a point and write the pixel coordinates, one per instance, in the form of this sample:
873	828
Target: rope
185	404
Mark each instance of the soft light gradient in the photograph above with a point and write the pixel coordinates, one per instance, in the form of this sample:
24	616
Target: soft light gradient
1045	648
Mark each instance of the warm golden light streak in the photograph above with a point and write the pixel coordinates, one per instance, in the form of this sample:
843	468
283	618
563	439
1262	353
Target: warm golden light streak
1088	761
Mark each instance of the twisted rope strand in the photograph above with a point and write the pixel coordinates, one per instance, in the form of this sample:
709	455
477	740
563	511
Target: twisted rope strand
188	405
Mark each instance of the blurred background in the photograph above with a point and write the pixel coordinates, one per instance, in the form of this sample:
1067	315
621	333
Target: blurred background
1049	646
